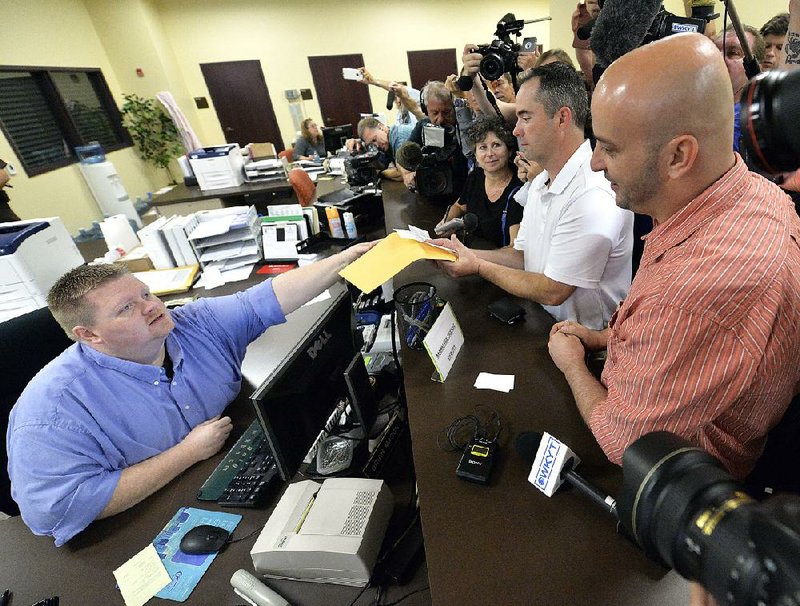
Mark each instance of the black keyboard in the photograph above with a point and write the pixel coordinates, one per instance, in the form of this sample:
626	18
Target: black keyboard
246	474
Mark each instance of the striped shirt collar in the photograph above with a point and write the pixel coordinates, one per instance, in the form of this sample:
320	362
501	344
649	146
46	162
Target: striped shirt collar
717	198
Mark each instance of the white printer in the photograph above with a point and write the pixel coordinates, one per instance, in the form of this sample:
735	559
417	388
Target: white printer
33	255
218	167
328	533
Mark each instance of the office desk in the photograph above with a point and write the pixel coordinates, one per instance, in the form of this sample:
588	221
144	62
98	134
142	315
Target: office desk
507	543
230	196
81	571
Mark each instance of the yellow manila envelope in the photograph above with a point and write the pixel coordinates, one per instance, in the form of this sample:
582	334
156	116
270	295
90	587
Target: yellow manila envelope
388	258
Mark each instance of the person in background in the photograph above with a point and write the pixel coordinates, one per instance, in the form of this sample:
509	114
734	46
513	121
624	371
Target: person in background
441	109
774	33
490	187
6	214
552	55
406	98
387	140
140	396
728	44
310	144
502	89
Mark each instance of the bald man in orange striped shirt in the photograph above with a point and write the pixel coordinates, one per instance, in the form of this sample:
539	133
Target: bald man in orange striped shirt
706	345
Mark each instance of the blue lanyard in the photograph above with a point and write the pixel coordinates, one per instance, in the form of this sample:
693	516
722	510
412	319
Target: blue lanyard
504	219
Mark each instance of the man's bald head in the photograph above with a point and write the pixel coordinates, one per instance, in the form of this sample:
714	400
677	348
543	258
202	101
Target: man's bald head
670	96
678	85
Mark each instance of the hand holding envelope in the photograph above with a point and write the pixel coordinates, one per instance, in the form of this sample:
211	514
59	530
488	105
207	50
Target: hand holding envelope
392	255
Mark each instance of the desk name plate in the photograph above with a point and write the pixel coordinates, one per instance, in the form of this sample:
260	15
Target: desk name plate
443	343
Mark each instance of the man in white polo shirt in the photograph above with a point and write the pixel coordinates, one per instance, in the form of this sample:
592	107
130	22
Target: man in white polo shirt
573	251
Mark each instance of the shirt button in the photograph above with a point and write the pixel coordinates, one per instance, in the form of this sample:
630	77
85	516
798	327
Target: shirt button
155	382
186	407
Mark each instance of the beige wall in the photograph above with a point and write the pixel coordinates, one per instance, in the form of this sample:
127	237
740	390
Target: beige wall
60	33
282	34
168	39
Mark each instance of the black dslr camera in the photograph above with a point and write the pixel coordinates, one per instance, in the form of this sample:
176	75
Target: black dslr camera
363	169
435	171
686	511
500	56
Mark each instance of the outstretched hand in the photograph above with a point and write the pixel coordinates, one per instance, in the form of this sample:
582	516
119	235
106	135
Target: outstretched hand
354	252
467	262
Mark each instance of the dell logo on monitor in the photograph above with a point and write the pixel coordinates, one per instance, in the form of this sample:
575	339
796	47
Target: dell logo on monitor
316	346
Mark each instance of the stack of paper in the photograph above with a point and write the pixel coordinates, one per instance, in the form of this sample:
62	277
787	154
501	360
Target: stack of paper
227	240
166	241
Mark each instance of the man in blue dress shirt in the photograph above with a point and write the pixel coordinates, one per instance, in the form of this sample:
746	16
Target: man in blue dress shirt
139	397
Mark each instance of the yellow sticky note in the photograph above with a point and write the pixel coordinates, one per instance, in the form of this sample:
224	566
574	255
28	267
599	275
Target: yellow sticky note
141	577
388	258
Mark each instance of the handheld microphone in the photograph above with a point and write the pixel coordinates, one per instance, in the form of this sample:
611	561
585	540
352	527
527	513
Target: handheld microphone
464	83
621	27
448	226
553	464
468	223
584	32
390	100
409	155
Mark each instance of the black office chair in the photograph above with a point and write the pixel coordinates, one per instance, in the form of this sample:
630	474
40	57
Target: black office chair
777	469
27	344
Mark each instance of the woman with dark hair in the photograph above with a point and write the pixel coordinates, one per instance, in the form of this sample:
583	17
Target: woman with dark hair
490	187
309	145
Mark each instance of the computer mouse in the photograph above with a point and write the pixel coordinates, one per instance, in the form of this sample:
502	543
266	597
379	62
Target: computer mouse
204	539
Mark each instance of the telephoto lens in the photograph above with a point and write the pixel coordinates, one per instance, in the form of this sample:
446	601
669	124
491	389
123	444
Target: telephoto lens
770	120
684	509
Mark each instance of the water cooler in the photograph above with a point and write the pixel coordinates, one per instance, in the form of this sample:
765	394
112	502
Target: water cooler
103	181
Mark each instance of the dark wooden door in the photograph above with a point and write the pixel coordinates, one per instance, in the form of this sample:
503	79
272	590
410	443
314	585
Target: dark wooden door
340	101
242	102
427	65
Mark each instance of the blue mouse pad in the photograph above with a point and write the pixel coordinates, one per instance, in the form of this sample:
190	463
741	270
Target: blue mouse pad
186	570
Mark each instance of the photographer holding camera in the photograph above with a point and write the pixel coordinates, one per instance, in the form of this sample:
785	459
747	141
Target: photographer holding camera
445	153
374	134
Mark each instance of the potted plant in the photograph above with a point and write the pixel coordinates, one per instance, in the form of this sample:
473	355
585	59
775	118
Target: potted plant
152	130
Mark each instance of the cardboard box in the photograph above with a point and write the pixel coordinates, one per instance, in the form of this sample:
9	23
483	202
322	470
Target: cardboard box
262	151
137	260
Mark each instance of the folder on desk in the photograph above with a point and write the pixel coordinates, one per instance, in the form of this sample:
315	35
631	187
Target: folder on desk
388	258
169	281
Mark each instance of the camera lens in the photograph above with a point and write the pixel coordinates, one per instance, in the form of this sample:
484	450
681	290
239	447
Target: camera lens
770	120
434	181
492	66
687	512
667	481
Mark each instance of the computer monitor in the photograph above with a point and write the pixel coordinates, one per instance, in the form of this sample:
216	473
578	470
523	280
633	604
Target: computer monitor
362	396
294	403
335	136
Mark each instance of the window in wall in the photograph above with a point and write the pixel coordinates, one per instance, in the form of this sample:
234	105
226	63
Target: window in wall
46	113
